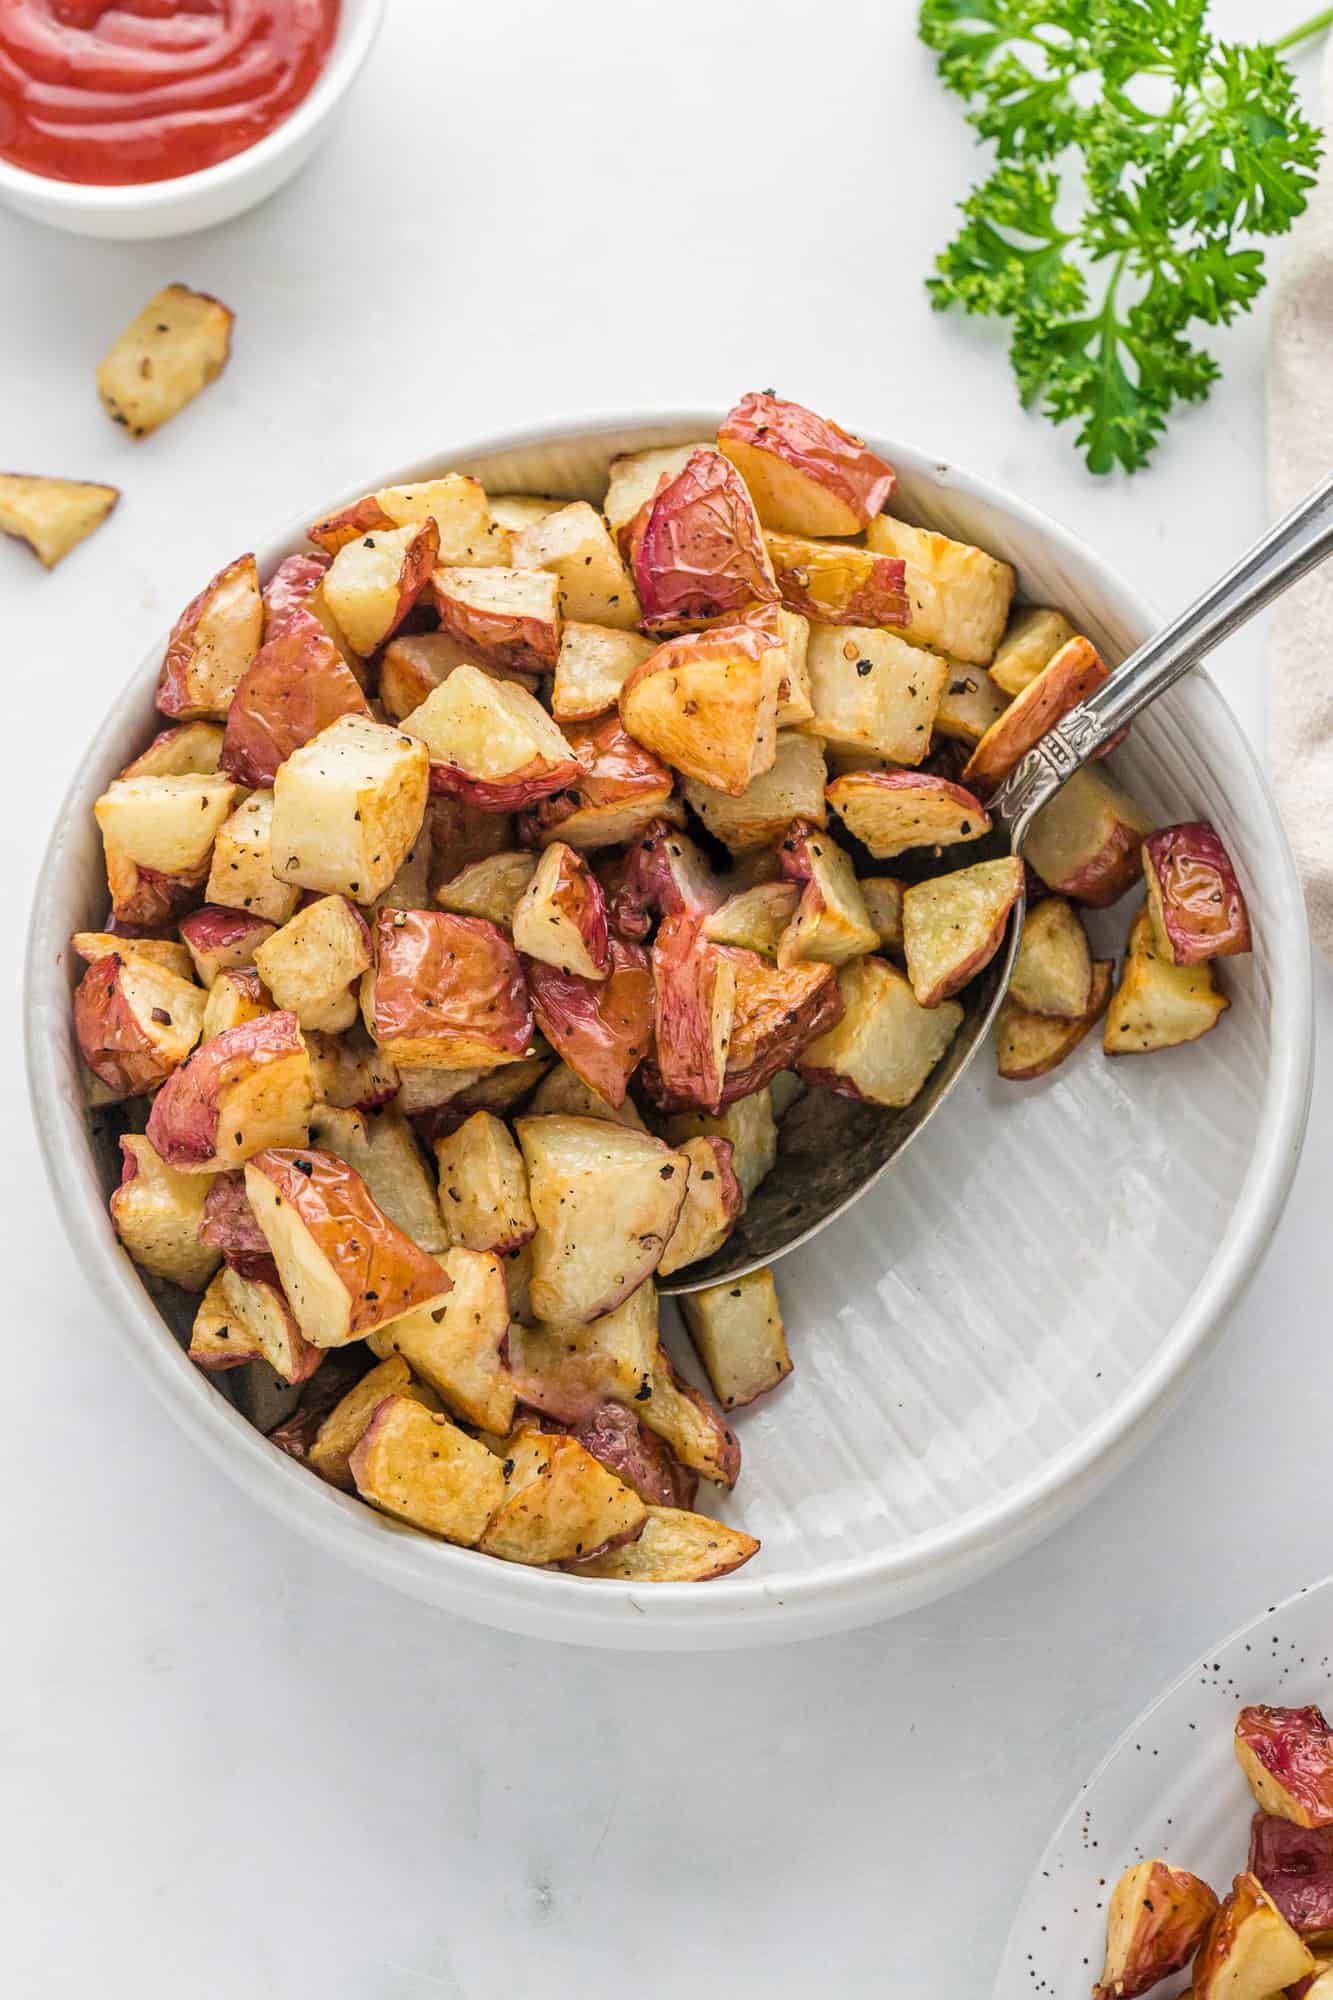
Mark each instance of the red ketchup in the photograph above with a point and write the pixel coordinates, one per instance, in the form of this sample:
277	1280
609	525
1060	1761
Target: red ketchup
115	92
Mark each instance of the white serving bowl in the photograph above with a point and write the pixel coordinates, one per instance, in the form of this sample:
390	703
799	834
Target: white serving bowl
983	1339
197	201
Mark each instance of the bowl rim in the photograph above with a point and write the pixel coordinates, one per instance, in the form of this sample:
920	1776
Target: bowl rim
732	1611
359	23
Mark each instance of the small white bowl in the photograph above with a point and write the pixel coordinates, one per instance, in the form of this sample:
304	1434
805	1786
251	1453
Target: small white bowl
982	1339
197	201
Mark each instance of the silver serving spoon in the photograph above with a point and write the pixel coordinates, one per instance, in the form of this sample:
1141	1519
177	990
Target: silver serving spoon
832	1149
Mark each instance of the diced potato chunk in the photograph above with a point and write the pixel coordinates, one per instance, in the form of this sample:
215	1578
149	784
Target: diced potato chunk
373	582
381	1147
713	1200
1034	636
52	515
761	814
176	346
1053	970
1031	1045
738	1334
675	1547
576	547
484	1186
593	665
166	824
1158	1005
606	1200
707	703
244	1319
559	1504
241	876
748	1124
491	888
347	806
156	1213
420	1467
510	617
310	965
960	595
954	924
887	1043
457	1345
346	1424
872	691
566	1369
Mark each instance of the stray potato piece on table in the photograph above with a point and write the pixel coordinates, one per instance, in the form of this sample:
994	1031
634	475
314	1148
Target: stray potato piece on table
135	1022
1033	637
1053	969
560	1503
156	1213
1194	899
382	1148
807	475
954	924
1154	1922
175	347
457	1345
344	1427
1158	1005
759	815
1287	1757
886	1044
713	1200
1076	672
347	806
738	1334
959	595
241	1092
674	1547
483	1196
52	515
707	702
575	546
1085	842
892	811
212	643
747	1123
1249	1950
1031	1045
606	1201
418	1466
241	876
244	1317
311	965
872	691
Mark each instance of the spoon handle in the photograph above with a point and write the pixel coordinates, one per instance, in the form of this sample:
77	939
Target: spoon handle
1303	538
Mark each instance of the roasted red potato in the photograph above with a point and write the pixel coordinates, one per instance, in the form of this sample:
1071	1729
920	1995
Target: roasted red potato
292	587
459	835
756	918
219	940
1086	841
184	750
873	692
458	1346
807	476
777	1013
700	554
347	808
506	617
1076	672
414	664
445	992
175	347
1031	1045
635	476
246	1317
312	964
456	504
1053	970
240	875
158	1216
593	665
491	743
1158	1005
1287	1756
240	1092
1249	1950
883	898
135	1022
707	702
606	1201
483	1186
831	922
683	1415
713	1200
759	816
1194	899
491	888
1154	1923
212	643
235	996
52	515
960	596
561	916
663	875
575	545
1033	637
674	1547
158	836
416	1465
747	1124
1295	1865
838	584
603	1028
335	1412
616	1438
621	791
738	1334
380	1144
694	999
954	924
296	685
569	1369
885	1043
971	702
373	582
892	811
227	1224
560	1503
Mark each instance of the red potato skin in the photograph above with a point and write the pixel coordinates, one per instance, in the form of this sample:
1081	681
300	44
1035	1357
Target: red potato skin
110	1039
1295	1745
686	967
296	685
1295	1866
288	588
144	764
701	554
924	784
778	1014
415	574
227	938
1076	672
648	884
841	586
437	974
460	835
729	1450
537	779
145	899
502	640
601	1028
182	1126
830	456
229	1225
383	1271
337	530
636	1455
172	695
615	771
1202	907
342	1369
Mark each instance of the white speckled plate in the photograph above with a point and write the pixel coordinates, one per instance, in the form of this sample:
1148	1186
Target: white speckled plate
980	1342
1170	1787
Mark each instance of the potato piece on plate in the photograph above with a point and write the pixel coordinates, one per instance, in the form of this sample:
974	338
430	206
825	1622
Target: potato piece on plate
674	1547
747	1123
446	992
419	1467
1155	1920
635	477
758	817
561	916
135	1022
971	702
311	965
457	1345
456	504
807	475
837	583
347	806
738	1334
1076	672
620	792
713	1200
886	1044
1195	902
1249	1950
235	996
373	582
1053	970
1031	1045
175	347
960	596
831	923
241	1091
568	1370
1085	842
756	918
491	888
345	1425
1158	1005
483	1195
683	1415
491	743
707	702
777	1012
346	1268
240	875
593	665
694	1000
509	617
606	1200
892	811
381	1147
1287	1757
700	555
296	685
156	1213
1033	637
562	1089
560	1504
872	691
245	1317
185	749
883	898
216	939
954	924
575	545
52	515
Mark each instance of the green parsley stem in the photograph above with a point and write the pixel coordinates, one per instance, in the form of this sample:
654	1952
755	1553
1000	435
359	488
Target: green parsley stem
1314	26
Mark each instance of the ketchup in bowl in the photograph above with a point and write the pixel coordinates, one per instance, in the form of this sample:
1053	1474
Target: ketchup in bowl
115	92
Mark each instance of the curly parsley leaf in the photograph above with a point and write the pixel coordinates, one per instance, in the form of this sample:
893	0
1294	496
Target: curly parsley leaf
1187	146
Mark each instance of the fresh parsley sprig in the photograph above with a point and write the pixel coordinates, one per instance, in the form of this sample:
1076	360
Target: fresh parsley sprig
1191	151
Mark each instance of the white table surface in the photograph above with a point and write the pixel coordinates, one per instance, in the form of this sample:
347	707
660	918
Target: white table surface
230	1767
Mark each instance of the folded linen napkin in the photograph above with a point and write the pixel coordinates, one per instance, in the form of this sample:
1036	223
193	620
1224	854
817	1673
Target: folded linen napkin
1300	454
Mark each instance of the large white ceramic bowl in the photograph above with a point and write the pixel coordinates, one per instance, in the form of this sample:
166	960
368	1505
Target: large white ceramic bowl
980	1342
197	201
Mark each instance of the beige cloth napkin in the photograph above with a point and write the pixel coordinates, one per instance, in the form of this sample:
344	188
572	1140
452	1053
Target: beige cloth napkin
1300	454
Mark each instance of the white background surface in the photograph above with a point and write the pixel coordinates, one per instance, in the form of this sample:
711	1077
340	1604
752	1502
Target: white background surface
230	1767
